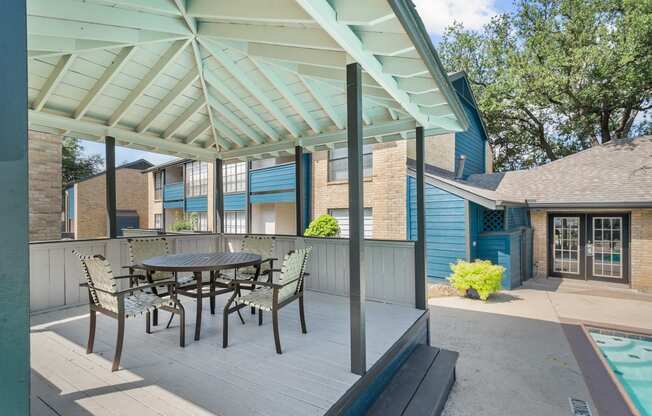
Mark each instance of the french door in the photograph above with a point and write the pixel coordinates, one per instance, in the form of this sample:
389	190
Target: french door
589	246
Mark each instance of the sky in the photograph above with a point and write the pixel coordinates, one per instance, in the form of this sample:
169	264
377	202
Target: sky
436	14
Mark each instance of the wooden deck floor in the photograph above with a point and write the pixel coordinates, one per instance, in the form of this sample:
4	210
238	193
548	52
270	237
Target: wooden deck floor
248	378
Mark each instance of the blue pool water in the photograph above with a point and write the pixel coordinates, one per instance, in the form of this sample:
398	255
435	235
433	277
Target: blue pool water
630	359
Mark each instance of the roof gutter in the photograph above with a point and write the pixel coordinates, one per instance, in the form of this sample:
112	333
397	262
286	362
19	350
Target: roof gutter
640	204
407	14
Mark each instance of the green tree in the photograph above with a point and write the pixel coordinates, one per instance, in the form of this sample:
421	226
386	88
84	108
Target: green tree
74	166
558	76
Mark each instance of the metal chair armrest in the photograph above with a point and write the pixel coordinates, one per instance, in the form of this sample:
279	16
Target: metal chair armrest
129	276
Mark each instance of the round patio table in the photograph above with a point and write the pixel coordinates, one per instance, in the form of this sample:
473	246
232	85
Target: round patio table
198	263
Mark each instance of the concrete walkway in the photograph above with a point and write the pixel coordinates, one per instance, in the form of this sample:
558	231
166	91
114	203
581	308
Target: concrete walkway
515	358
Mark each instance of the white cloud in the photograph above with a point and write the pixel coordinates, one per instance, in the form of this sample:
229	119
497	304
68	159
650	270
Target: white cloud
439	14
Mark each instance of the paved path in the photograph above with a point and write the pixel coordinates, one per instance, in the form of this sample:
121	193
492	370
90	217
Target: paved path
514	356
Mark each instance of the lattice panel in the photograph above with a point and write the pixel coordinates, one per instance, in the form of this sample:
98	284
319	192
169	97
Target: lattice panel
493	220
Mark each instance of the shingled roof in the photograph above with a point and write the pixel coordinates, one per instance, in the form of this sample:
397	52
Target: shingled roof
617	174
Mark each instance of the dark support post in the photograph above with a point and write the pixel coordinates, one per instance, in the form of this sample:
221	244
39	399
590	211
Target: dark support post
420	246
14	251
218	197
356	219
299	191
248	197
111	215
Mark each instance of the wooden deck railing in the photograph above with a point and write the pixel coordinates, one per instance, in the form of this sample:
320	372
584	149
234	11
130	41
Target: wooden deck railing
55	273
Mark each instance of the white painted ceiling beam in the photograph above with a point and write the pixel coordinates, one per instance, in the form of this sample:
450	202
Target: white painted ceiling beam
417	85
160	108
269	11
191	22
385	43
276	35
245	109
362	12
100	130
200	67
253	89
104	15
228	132
110	72
222	110
45	26
315	90
66	45
198	131
316	57
322	12
268	71
378	129
53	81
403	67
197	105
152	6
164	61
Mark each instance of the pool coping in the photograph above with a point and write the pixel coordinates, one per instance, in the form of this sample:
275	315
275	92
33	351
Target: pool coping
597	382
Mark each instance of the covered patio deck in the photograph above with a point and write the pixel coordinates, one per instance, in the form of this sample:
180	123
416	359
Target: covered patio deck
216	81
247	378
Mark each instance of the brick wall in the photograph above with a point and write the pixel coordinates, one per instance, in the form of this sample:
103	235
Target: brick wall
641	249
539	220
131	194
384	192
45	205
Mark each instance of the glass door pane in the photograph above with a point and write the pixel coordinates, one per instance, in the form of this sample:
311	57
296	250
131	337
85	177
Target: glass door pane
607	247
566	249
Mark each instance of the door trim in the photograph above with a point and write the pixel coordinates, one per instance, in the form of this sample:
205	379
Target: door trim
582	246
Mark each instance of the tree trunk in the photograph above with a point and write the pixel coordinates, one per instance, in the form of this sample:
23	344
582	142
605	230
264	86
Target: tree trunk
545	145
605	133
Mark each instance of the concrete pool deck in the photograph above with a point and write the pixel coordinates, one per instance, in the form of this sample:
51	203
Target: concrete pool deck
515	355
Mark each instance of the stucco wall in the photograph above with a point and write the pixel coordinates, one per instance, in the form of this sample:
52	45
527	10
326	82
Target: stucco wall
279	218
45	206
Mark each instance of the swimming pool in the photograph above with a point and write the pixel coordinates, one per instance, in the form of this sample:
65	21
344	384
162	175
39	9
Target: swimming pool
630	358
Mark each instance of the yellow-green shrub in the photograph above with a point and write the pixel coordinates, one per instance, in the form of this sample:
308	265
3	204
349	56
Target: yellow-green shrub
480	275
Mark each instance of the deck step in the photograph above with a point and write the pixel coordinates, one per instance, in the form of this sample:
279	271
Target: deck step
421	385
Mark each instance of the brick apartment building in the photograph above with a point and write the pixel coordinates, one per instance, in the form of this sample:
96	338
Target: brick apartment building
85	202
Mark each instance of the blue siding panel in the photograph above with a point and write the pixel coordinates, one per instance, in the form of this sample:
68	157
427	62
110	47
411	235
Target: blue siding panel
235	202
276	178
197	204
503	249
516	217
272	198
173	204
475	225
471	143
173	192
445	228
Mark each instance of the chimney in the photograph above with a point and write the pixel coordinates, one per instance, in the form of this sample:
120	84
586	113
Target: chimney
459	172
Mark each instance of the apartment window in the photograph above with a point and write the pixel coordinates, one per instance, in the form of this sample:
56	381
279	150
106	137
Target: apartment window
158	221
235	222
199	220
342	217
158	186
338	160
235	177
196	179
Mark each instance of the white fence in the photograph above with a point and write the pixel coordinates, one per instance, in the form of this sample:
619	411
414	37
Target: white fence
55	272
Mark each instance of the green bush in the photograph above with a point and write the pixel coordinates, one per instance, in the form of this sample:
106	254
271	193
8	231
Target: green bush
480	275
323	226
185	224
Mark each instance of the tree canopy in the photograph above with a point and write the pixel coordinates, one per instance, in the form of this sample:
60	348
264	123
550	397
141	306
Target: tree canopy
558	76
75	166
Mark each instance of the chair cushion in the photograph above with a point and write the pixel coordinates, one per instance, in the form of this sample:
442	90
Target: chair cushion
141	302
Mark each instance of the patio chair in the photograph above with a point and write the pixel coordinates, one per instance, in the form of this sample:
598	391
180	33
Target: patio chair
275	294
105	297
141	249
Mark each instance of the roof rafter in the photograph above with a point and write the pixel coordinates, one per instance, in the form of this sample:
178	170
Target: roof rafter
362	12
53	81
106	15
179	89
323	101
245	109
198	131
253	89
200	68
250	10
228	132
156	6
164	61
190	21
100	130
110	72
233	119
289	96
197	105
322	12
